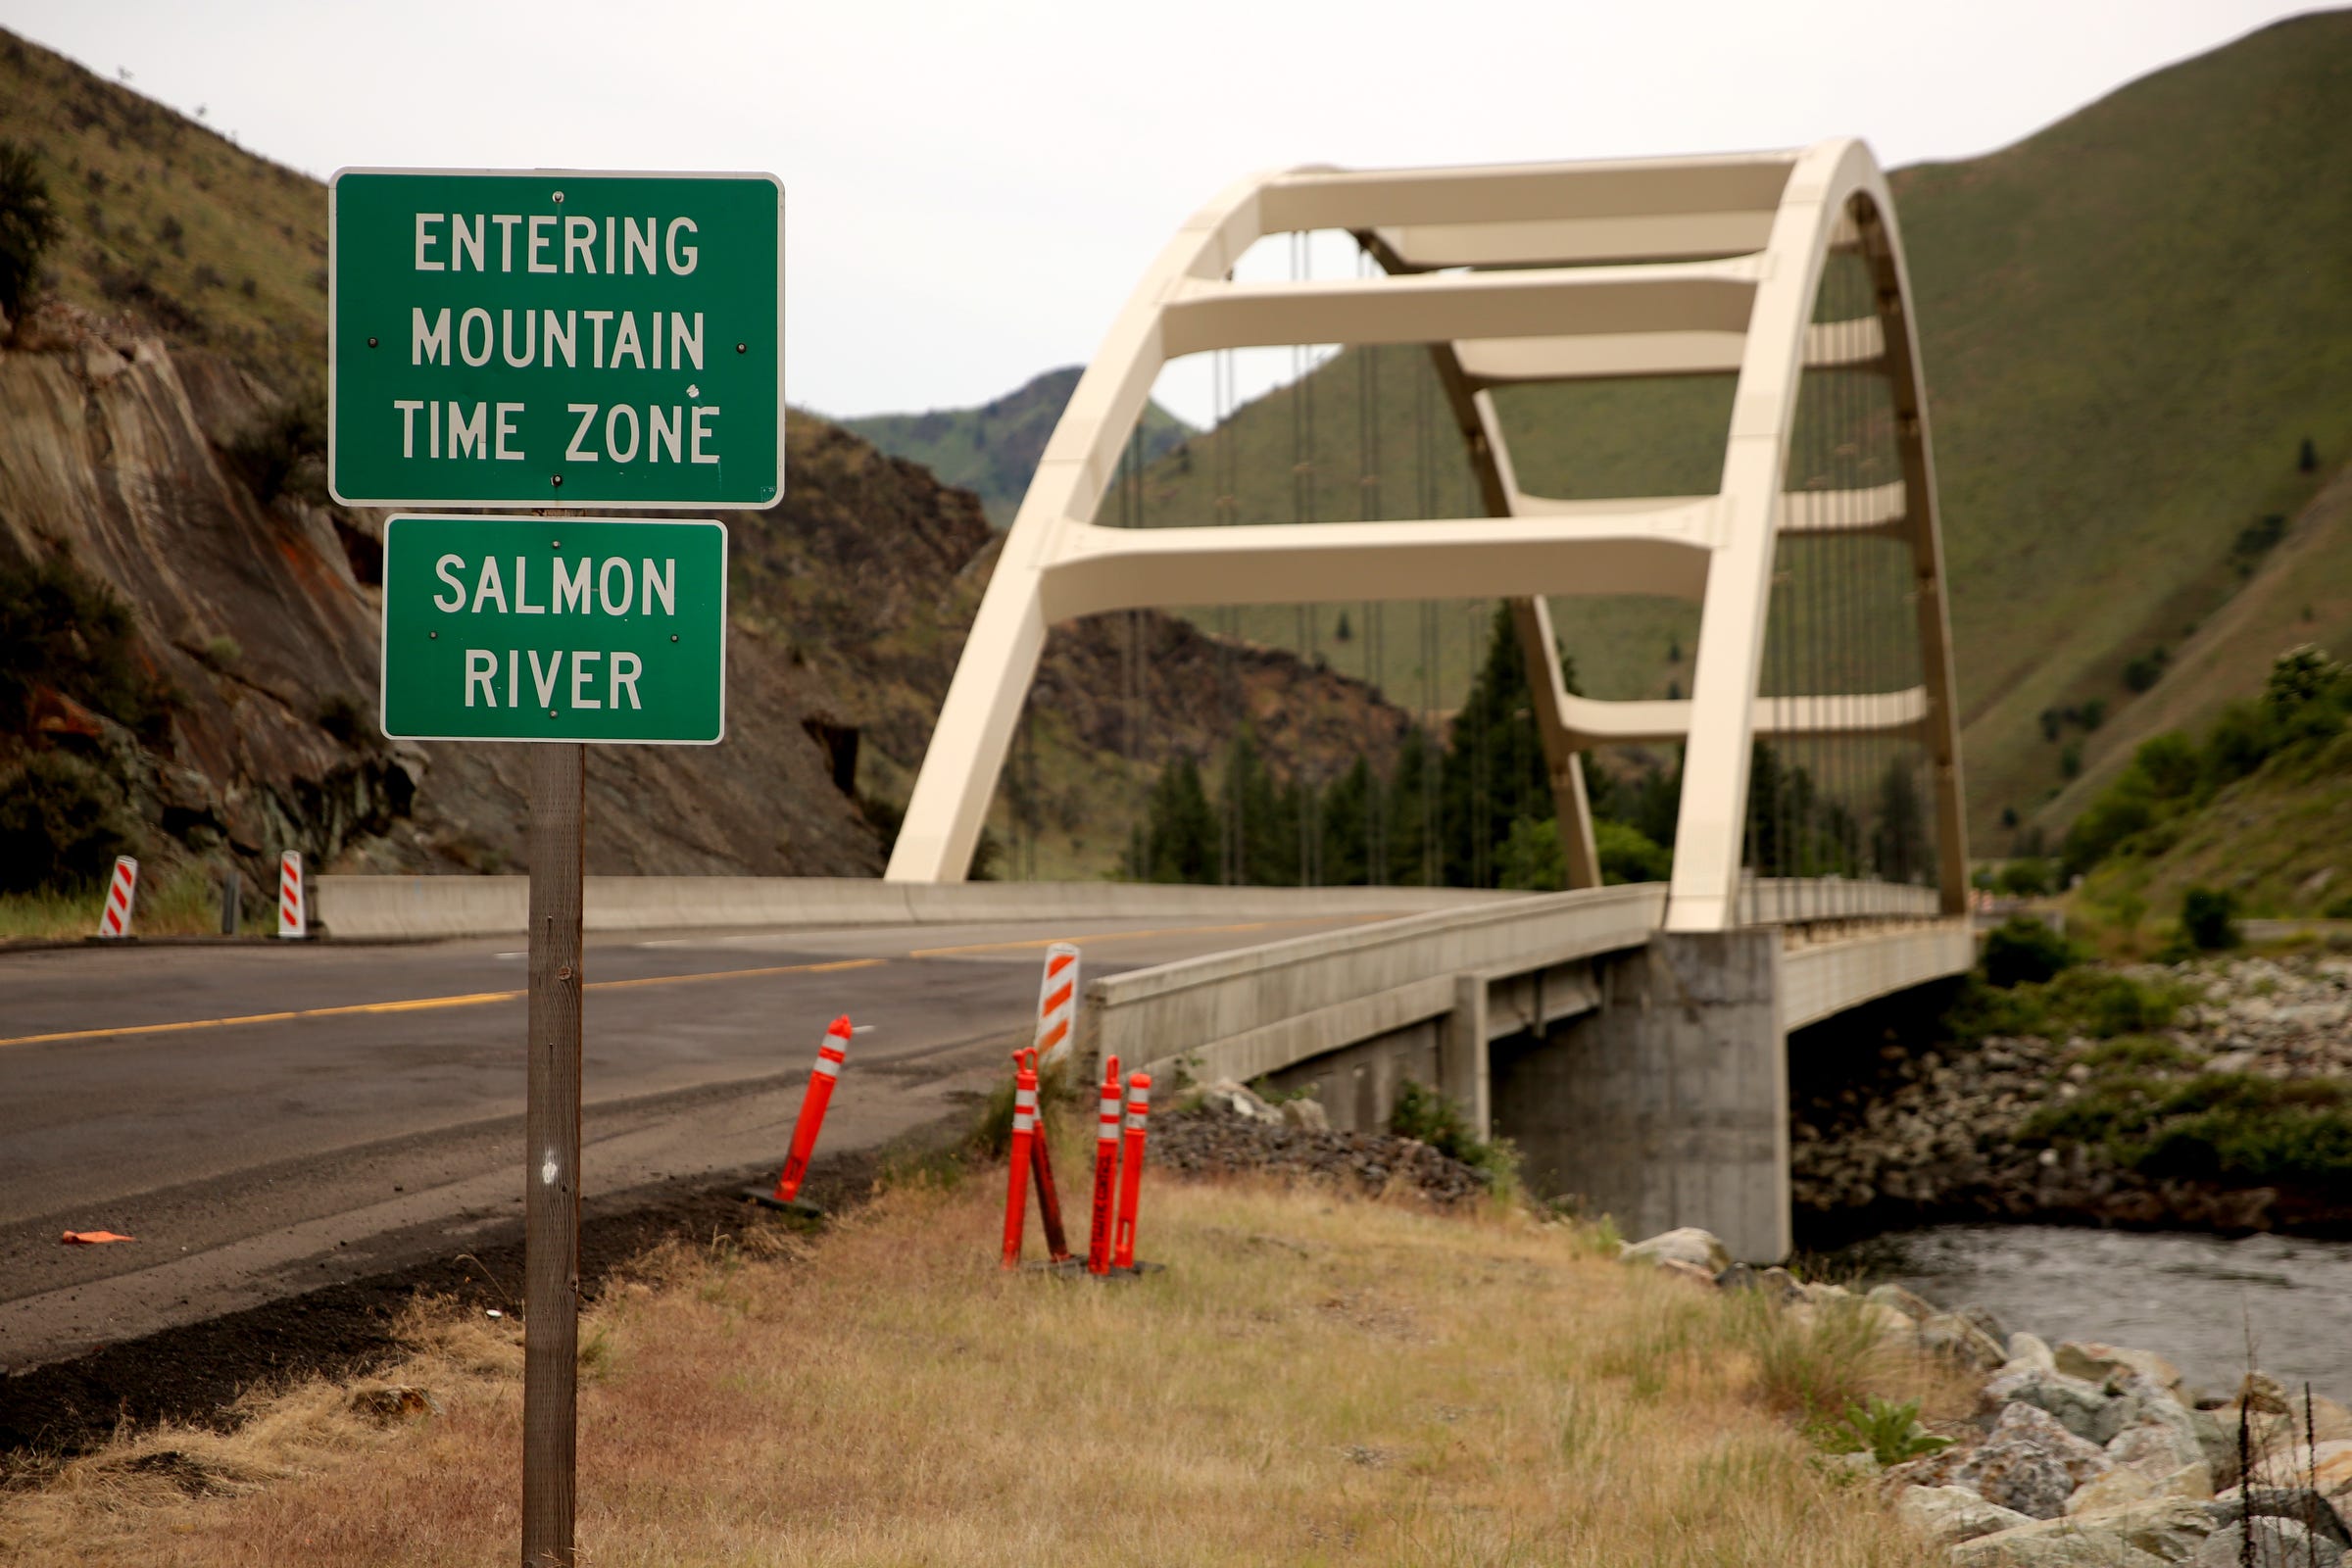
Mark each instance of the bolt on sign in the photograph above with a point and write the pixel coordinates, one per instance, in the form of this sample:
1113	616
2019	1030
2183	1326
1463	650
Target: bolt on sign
554	338
555	629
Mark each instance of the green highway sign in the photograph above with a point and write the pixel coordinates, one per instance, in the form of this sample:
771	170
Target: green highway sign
599	629
554	338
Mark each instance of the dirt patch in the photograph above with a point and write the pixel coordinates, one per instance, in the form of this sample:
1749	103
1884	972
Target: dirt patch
196	1374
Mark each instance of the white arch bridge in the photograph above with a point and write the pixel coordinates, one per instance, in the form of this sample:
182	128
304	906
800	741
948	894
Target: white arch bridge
1631	1039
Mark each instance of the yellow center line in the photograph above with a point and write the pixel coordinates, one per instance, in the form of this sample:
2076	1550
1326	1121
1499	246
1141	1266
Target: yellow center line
474	998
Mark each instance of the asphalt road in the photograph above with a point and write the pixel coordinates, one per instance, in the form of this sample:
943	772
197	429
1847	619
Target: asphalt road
265	1120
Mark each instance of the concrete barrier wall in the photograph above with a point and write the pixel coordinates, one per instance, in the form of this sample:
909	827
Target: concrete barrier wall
376	906
1239	1014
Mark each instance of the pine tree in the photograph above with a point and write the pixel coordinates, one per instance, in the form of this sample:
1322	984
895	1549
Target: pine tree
1268	822
1179	840
1343	807
1494	771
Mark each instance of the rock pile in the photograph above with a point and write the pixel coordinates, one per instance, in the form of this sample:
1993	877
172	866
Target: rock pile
2086	1452
2286	1018
1232	1131
1942	1135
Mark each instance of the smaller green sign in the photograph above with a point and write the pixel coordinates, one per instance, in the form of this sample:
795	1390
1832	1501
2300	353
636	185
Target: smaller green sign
599	629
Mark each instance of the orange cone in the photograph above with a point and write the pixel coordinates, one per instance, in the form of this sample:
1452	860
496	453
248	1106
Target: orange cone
1025	1135
1131	1170
1107	1169
830	1055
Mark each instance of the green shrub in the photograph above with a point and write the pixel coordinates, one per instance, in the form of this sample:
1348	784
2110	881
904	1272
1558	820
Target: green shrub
1887	1432
63	628
62	823
2233	1128
283	452
2027	879
1531	860
2078	1001
27	223
2209	919
2142	672
2102	1004
2111	1109
342	718
2169	764
2022	949
1629	854
2136	1050
1425	1114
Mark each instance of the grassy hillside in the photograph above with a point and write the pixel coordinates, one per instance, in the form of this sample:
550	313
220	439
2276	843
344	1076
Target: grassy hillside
2133	321
2257	805
169	221
2301	592
2280	841
992	449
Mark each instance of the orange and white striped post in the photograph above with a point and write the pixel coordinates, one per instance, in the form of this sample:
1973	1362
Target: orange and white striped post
1131	1170
293	901
830	1055
1107	1169
1058	1003
113	920
1024	1134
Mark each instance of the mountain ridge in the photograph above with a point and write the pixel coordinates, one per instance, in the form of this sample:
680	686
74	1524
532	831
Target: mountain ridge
992	448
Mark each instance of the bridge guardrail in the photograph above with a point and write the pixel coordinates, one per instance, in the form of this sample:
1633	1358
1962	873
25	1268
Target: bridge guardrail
1827	978
1239	1014
1789	901
499	905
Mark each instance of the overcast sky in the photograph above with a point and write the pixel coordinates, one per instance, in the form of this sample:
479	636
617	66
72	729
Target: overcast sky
972	190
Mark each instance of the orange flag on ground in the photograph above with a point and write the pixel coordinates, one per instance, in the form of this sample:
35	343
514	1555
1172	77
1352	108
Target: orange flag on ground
94	1236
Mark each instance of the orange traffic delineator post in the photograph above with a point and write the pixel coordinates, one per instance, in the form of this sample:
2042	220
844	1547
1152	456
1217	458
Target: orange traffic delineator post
830	1055
1024	1137
1107	1169
1131	1171
1049	1198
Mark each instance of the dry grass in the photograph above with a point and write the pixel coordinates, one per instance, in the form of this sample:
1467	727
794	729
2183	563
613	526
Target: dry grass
183	901
1313	1380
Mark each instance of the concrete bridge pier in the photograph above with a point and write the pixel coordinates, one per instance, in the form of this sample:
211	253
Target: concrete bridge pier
1665	1105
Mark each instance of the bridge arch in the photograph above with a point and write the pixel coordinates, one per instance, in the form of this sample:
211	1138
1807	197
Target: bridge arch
1514	275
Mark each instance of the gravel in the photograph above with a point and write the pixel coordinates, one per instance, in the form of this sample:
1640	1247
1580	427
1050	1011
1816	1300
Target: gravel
1200	1141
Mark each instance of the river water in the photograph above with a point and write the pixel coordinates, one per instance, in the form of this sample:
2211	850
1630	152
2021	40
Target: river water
2191	1299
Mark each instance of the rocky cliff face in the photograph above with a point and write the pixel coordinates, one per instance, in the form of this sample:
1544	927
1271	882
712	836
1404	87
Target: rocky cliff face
135	460
117	453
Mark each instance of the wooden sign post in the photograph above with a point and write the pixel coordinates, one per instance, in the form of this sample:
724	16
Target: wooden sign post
551	1205
468	364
